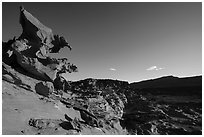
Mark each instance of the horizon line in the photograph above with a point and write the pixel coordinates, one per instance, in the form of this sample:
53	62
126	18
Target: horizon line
138	80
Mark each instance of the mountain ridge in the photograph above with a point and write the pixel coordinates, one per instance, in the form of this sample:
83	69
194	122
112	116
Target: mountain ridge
166	81
197	81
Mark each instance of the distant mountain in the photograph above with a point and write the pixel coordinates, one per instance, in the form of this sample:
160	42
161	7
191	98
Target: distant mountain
169	82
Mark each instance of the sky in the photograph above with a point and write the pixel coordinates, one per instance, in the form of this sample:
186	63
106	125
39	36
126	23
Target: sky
123	41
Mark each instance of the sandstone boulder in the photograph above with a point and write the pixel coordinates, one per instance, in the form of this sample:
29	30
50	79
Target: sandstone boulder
44	88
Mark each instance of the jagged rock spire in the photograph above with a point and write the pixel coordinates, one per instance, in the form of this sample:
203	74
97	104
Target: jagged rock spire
32	49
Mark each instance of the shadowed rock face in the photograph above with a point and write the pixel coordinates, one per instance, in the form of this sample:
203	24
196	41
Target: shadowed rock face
30	51
44	88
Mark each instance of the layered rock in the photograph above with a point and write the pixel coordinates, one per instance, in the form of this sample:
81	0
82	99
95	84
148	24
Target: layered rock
30	51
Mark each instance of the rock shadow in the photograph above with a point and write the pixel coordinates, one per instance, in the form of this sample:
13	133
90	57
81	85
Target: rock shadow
66	125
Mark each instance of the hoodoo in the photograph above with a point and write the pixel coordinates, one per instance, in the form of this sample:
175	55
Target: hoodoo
31	49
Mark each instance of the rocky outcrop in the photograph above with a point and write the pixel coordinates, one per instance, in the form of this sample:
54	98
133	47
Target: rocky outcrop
105	100
60	83
142	113
12	76
30	51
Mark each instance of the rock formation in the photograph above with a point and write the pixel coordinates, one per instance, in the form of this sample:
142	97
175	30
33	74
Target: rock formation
30	51
28	66
60	83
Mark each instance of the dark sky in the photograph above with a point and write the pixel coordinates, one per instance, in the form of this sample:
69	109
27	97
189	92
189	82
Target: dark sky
124	41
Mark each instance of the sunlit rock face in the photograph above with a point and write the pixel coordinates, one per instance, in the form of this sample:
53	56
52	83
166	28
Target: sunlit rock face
31	49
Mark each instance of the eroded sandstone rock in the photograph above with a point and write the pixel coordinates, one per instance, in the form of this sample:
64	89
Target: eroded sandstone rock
31	49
